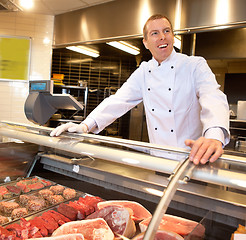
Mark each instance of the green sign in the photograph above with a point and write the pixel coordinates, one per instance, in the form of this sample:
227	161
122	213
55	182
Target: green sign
14	58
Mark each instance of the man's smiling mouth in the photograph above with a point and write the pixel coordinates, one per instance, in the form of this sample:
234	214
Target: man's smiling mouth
162	46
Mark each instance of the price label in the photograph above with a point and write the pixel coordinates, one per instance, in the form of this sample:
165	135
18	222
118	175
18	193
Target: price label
76	168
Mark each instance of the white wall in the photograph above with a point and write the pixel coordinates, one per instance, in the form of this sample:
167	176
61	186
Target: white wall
13	93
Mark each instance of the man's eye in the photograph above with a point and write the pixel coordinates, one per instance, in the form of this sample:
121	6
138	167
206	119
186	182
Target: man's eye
153	33
167	31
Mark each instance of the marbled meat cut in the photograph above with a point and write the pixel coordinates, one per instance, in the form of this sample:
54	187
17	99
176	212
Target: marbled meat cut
91	229
161	235
68	211
139	212
176	224
74	236
118	218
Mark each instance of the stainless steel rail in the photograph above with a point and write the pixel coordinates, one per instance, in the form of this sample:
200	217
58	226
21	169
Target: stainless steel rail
230	178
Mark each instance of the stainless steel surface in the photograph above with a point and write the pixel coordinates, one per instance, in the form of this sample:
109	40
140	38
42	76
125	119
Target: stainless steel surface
211	13
95	24
178	174
116	19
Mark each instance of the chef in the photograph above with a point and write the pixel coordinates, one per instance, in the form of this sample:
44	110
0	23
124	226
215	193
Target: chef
183	104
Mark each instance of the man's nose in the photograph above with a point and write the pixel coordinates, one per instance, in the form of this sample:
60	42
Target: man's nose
162	35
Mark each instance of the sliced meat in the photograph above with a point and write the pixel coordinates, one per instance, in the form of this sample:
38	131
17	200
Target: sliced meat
91	229
68	211
118	219
59	215
6	233
80	208
74	236
176	224
139	211
40	225
14	189
161	235
53	225
35	186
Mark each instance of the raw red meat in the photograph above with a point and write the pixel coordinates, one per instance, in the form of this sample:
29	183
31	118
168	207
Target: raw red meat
81	209
118	219
91	229
40	225
60	216
68	211
90	201
161	235
74	236
139	212
53	225
45	182
35	186
5	234
14	189
176	224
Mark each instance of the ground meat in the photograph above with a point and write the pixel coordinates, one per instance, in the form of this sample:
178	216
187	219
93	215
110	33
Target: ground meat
3	220
25	198
54	199
45	193
35	204
58	189
69	193
8	207
18	213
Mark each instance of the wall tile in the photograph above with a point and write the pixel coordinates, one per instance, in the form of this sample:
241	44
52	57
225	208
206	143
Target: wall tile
13	93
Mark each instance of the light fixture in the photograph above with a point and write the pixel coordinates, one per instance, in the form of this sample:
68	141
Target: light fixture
84	50
124	46
26	4
177	41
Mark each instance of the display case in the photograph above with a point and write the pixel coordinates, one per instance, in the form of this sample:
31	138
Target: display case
212	193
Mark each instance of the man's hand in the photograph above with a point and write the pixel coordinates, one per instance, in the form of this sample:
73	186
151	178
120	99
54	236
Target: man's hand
70	127
204	149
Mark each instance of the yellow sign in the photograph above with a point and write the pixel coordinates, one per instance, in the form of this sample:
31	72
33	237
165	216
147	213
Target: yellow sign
14	58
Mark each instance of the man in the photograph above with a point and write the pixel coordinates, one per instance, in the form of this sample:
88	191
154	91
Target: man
182	101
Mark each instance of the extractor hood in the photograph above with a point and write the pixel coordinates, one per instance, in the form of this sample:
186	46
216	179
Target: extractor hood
9	6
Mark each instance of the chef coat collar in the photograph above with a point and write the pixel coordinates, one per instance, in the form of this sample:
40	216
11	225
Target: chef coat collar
155	64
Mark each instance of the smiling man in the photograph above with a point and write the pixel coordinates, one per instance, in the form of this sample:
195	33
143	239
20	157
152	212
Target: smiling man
183	104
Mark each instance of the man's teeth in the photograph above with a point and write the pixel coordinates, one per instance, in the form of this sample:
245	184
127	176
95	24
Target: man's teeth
163	46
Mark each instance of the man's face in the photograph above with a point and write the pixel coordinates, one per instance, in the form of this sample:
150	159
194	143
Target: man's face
160	39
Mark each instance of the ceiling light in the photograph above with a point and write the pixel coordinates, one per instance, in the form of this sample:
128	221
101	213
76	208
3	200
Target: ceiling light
124	46
26	4
84	50
177	41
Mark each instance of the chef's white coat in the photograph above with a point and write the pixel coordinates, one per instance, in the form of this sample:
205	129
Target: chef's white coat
181	98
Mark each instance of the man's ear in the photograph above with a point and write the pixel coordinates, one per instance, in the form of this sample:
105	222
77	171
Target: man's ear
145	44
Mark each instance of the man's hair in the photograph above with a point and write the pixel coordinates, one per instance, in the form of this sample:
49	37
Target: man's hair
154	17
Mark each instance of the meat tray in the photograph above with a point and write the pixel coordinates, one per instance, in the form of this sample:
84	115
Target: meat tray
33	202
15	188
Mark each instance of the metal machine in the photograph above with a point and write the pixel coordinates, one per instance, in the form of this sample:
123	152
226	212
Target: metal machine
41	103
